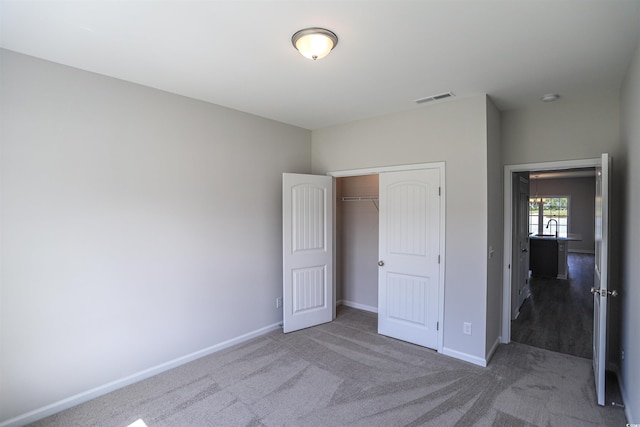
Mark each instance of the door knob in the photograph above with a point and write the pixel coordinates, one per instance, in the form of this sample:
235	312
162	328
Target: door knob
602	293
524	250
380	263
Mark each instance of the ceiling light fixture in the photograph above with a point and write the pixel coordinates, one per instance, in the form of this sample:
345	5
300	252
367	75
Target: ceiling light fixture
550	97
314	43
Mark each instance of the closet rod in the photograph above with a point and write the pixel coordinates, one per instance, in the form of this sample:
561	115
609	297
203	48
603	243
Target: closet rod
358	198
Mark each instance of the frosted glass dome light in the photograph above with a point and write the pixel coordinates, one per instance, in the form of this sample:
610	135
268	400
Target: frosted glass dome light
314	43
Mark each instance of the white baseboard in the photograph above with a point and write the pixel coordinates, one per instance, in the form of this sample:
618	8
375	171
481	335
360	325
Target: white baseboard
357	305
465	357
85	396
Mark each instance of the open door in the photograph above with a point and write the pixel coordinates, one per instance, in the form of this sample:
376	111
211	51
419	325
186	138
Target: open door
600	288
409	254
520	246
307	231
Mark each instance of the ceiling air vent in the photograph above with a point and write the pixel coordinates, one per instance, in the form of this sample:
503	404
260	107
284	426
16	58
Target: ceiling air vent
435	97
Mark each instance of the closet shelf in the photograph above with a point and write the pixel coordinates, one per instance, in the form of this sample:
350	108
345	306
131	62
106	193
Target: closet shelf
358	198
372	199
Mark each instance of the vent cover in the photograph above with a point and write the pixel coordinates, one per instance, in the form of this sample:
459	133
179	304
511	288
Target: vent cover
437	97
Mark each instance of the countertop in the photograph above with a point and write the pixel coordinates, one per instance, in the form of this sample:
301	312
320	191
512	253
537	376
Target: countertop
570	237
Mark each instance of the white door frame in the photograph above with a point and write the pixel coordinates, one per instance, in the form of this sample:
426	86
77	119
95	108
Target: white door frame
508	226
382	169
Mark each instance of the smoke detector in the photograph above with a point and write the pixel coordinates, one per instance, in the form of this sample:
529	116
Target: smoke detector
550	97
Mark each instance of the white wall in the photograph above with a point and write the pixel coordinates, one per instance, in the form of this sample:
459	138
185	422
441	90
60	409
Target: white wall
454	132
357	245
137	227
630	283
495	229
567	129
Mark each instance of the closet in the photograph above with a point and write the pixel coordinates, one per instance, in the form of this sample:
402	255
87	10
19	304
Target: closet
357	242
387	251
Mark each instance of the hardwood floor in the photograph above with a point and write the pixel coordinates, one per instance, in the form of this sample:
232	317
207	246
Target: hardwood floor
558	315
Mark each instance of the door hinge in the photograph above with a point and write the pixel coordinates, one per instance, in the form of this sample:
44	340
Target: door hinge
437	326
438	259
439	191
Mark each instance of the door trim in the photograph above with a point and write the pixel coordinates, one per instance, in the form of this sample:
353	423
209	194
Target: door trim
508	226
382	169
396	168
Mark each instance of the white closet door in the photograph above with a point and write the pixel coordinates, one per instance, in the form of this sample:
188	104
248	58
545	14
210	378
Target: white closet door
409	252
307	228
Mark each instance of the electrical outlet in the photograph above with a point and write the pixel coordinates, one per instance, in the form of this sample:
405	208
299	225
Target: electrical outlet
466	328
278	302
622	354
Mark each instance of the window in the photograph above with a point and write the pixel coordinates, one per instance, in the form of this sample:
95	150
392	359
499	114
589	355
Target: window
548	215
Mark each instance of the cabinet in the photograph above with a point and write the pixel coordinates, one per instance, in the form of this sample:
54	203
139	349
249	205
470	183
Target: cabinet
548	257
563	249
543	258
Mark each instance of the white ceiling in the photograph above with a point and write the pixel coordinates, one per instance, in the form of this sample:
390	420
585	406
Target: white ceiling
239	54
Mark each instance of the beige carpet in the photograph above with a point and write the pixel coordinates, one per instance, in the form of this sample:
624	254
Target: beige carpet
344	373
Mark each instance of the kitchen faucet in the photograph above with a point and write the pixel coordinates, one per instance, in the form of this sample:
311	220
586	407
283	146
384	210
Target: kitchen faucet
549	222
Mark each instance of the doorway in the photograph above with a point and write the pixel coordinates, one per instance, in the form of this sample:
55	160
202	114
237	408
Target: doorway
411	242
600	289
551	170
559	216
399	253
557	209
387	247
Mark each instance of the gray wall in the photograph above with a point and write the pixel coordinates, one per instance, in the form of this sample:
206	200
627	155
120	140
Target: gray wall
582	192
137	227
568	129
357	244
495	229
454	132
630	283
126	214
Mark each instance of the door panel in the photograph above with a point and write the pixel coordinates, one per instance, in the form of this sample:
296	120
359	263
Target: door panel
407	297
520	278
308	289
601	275
409	238
307	229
